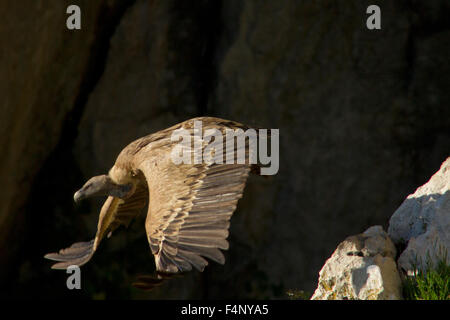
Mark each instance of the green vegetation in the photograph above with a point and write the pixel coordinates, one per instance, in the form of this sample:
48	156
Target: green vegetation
429	284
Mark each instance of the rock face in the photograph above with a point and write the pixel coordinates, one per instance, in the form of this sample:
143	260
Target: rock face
42	82
422	223
362	267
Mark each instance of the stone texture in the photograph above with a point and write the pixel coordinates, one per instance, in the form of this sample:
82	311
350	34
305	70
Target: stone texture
422	223
41	78
362	267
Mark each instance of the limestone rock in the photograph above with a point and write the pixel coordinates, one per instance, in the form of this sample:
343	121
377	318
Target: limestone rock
362	267
423	222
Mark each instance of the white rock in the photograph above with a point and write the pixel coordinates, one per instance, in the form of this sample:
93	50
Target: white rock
423	223
362	267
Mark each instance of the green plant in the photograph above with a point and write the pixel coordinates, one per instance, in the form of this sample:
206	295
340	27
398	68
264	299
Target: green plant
429	284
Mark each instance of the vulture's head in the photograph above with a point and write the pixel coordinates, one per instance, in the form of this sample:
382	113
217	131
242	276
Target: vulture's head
102	186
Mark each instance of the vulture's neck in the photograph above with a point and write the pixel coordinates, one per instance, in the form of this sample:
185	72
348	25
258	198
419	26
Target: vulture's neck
121	175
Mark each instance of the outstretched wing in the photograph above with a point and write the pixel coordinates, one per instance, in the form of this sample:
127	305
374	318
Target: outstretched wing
190	210
114	212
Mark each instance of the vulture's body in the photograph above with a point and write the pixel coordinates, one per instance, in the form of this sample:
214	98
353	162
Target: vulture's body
189	205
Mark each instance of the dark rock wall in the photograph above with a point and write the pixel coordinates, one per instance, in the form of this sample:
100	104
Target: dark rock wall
364	119
42	67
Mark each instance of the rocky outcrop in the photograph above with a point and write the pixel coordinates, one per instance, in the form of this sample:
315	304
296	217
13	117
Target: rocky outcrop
422	223
362	267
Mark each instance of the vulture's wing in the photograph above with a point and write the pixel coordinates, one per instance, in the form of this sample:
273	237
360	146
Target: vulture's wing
189	212
114	212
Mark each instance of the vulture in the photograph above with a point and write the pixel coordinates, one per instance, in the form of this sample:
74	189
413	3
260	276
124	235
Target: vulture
189	206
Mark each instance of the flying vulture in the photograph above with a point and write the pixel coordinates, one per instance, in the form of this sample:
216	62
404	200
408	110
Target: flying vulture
189	205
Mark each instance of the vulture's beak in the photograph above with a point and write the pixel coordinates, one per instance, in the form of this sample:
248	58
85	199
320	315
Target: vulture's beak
96	186
79	195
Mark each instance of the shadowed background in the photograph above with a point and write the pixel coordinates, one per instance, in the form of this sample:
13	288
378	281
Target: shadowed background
364	119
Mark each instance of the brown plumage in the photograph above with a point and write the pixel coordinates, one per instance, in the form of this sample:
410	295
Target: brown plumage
190	204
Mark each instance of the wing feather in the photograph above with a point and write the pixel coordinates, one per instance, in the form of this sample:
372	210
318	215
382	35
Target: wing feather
188	221
114	212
